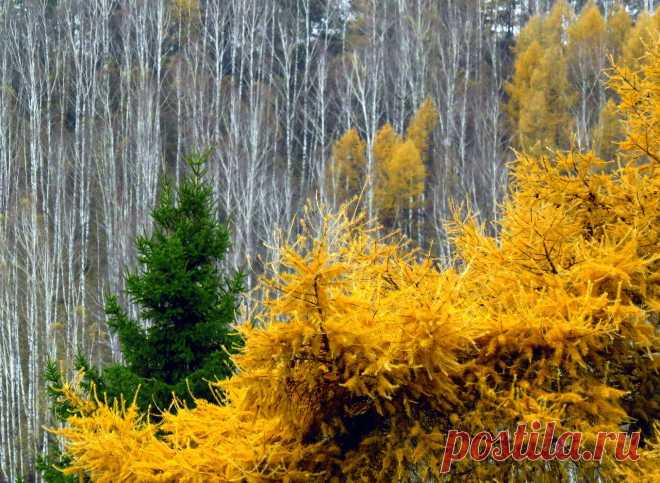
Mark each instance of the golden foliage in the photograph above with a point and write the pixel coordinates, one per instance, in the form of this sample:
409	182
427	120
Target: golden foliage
186	9
619	24
640	102
348	372
558	69
399	170
540	99
421	125
647	469
588	31
640	37
608	132
349	163
401	180
384	143
555	24
364	353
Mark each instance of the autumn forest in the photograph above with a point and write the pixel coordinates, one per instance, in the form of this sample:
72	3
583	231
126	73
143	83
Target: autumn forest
301	240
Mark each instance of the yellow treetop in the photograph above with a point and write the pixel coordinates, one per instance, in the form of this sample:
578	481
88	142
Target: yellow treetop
532	32
399	170
385	141
561	15
589	31
399	163
540	94
557	76
619	24
401	178
349	163
421	125
640	37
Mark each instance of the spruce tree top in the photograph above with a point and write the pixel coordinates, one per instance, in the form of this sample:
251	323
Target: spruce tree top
187	303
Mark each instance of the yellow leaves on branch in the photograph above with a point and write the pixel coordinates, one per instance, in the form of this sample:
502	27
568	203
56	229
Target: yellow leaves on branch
364	354
639	92
106	439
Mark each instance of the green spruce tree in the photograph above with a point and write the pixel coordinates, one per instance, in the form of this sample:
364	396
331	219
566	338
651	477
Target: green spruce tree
184	336
188	304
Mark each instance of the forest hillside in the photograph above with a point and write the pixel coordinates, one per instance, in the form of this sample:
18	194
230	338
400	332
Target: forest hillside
415	111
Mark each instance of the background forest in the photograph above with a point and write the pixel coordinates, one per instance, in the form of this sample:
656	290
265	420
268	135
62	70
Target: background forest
100	99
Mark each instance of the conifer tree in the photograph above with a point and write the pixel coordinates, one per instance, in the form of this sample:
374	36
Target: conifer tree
184	337
349	167
540	99
400	172
187	303
643	34
421	126
619	24
557	93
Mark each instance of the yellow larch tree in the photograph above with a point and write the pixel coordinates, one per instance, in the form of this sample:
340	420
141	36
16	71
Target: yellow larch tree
399	169
349	164
385	141
399	162
401	179
363	353
588	32
619	24
540	102
608	131
422	125
539	95
557	94
644	33
556	23
571	291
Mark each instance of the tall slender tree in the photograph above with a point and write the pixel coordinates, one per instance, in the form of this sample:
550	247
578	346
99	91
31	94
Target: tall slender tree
184	336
